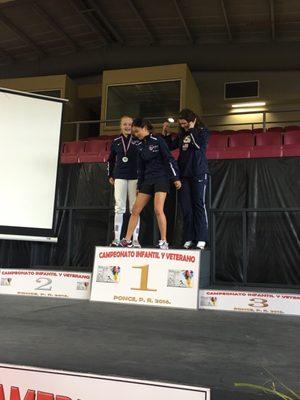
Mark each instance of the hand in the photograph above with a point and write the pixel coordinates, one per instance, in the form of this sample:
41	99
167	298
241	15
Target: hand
177	185
192	124
166	129
111	181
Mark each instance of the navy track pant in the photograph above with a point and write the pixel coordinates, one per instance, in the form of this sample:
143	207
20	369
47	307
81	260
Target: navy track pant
192	203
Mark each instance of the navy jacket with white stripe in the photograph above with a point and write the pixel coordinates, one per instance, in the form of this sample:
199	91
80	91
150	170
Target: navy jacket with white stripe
155	162
118	169
192	146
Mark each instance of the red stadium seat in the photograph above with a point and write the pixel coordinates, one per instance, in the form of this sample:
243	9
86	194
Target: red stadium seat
228	132
215	132
291	145
257	130
267	145
244	139
244	131
70	151
218	142
275	129
94	151
216	145
292	128
239	146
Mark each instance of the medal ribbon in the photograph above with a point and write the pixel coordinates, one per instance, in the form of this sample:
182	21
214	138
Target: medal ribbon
124	147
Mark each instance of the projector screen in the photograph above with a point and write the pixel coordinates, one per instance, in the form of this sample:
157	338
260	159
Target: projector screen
30	128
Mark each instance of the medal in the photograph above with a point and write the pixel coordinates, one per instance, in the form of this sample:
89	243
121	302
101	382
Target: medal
125	158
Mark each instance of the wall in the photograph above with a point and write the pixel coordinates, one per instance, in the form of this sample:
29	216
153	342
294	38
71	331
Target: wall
55	82
280	90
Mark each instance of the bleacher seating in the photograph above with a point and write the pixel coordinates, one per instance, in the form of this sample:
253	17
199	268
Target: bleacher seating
227	144
257	130
217	144
291	144
239	146
94	151
267	145
70	150
244	131
290	128
275	129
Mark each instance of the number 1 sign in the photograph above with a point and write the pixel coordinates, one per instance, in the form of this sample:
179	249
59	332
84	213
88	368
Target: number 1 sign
154	277
56	284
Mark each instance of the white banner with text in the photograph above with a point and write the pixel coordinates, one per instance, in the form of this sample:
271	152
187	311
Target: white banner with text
56	284
166	278
25	383
255	302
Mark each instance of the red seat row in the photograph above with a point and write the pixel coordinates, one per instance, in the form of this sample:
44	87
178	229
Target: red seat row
244	145
85	151
247	145
290	128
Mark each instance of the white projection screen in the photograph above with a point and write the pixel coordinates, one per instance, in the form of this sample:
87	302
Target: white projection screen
30	130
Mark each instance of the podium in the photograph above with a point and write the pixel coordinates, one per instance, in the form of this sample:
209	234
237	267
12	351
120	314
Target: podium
153	277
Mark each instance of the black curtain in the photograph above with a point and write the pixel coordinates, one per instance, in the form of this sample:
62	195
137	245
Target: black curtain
84	219
272	238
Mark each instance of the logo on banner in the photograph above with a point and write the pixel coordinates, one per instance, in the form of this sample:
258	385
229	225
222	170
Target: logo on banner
6	281
180	278
110	274
30	395
208	301
82	285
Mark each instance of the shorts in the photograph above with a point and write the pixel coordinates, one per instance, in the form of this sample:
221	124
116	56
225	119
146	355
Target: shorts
152	188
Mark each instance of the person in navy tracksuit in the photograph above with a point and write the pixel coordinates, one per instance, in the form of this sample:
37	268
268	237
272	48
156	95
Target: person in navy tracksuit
122	174
192	142
156	167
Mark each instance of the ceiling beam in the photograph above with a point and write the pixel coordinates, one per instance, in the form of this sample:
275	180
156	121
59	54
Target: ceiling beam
7	56
14	3
225	15
272	17
142	21
186	28
103	19
90	21
21	35
54	25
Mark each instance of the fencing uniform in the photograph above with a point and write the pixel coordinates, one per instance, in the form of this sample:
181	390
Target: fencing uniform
122	166
156	166
193	169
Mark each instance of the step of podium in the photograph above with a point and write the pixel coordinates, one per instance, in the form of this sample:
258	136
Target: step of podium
252	300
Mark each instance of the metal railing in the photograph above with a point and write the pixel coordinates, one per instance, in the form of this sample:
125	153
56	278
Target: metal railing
263	124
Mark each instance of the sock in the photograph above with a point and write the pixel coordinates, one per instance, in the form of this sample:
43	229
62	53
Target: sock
136	231
118	225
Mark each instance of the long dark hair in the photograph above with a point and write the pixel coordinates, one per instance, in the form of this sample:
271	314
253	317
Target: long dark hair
142	123
189	116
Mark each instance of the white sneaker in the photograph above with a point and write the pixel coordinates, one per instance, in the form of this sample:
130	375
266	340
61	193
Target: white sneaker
115	243
201	245
163	245
188	244
135	243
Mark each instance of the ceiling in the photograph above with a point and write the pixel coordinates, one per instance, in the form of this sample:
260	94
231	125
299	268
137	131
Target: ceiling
82	37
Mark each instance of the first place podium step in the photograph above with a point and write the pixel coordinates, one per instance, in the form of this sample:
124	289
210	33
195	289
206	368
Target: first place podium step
165	278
